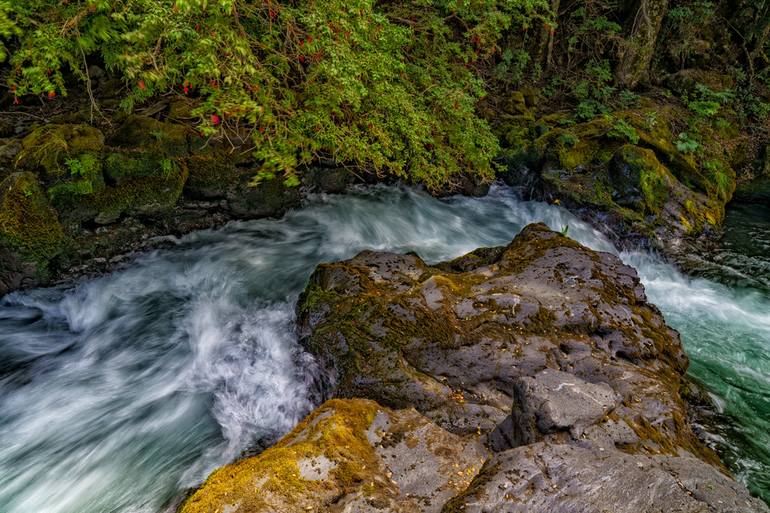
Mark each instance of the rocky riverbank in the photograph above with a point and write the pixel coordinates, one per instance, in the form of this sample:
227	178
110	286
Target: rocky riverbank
532	377
79	197
79	200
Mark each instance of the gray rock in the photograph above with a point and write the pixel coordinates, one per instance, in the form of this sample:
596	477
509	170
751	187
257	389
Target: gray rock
554	401
559	478
459	340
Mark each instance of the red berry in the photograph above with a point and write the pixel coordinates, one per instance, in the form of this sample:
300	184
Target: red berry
186	90
51	94
302	59
272	13
215	119
16	100
262	130
141	85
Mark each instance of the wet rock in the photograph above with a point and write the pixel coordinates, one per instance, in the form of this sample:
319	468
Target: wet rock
562	331
15	272
351	455
551	478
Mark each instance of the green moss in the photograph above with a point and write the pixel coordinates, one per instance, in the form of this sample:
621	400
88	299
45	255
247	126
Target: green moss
27	221
643	170
49	147
120	167
152	136
143	195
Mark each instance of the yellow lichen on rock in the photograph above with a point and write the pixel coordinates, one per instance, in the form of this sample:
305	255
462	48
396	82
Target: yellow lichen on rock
349	455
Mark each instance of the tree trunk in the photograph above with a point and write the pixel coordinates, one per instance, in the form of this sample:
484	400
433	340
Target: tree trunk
636	51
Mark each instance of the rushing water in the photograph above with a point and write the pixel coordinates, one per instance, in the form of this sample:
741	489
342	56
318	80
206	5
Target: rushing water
120	393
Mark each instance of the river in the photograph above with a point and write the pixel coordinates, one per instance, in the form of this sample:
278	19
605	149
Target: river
120	393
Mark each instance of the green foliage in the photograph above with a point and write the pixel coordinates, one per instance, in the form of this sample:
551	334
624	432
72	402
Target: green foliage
622	130
83	166
707	103
686	144
595	91
651	120
569	140
719	176
684	26
388	87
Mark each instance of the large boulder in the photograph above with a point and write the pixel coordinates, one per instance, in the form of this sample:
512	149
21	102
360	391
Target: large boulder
634	173
460	340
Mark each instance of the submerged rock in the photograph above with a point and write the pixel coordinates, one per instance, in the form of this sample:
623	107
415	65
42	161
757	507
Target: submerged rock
542	358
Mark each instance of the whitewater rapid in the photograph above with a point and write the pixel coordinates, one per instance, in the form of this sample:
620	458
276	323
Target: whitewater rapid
122	392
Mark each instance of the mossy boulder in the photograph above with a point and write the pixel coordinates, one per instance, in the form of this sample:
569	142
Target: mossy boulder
639	181
215	176
28	223
152	136
211	176
626	174
528	378
349	455
53	149
154	190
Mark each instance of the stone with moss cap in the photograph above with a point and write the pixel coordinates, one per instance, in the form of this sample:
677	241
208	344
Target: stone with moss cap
625	173
28	224
49	148
546	329
348	455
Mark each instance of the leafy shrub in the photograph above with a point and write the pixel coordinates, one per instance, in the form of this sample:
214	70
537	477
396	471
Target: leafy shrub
707	103
622	130
387	87
594	92
686	144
